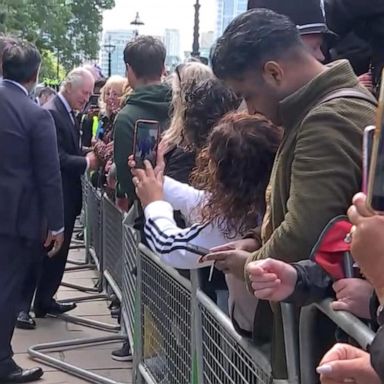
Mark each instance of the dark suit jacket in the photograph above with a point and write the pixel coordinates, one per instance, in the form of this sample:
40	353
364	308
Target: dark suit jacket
30	188
72	162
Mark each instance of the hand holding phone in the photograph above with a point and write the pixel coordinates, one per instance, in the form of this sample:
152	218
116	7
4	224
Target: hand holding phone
145	142
148	184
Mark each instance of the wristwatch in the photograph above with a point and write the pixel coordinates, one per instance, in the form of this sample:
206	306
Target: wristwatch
380	315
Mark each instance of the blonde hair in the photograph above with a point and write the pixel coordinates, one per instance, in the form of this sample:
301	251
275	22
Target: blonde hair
117	83
189	73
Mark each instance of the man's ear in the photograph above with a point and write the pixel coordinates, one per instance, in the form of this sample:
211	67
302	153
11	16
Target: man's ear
35	76
273	73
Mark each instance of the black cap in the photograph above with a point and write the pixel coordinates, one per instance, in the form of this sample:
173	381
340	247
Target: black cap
308	15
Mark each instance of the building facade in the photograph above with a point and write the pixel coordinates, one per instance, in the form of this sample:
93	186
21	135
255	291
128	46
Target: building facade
207	39
115	42
227	10
172	44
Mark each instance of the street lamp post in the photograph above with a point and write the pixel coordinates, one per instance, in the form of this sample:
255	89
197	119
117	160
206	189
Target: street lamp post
196	45
58	65
109	48
137	22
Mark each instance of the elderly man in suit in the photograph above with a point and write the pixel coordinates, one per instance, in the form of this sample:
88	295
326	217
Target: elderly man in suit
30	188
74	94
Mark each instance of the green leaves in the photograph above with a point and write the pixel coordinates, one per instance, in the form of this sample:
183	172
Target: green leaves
69	29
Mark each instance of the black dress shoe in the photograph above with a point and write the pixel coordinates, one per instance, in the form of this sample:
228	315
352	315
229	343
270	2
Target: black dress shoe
54	309
20	375
25	321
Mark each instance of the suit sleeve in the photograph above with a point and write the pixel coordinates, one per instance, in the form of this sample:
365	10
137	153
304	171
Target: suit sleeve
123	144
72	164
47	169
326	173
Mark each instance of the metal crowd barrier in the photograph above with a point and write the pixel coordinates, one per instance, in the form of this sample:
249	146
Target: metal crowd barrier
350	324
177	333
226	356
164	351
95	226
129	271
183	337
112	245
93	213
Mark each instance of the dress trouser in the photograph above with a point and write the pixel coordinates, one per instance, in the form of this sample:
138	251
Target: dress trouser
15	257
53	270
31	280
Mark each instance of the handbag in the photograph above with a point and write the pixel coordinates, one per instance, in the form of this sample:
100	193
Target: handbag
333	249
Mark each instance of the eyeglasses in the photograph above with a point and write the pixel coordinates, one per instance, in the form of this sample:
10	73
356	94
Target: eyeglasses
178	70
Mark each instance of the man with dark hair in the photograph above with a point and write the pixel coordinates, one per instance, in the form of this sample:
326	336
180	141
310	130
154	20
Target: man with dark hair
4	42
44	95
30	188
323	110
144	58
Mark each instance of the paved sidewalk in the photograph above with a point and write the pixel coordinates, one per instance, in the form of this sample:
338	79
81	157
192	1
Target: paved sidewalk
96	359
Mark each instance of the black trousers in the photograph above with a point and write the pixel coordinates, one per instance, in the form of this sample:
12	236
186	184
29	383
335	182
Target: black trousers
31	280
15	257
53	270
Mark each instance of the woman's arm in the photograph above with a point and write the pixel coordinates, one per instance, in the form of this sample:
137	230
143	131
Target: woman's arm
182	197
169	241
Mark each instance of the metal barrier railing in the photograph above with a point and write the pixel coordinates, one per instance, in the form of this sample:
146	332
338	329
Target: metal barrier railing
95	223
129	270
184	338
179	335
112	245
164	329
93	230
350	324
226	356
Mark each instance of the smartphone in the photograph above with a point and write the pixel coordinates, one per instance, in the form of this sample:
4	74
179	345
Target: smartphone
369	133
198	250
146	139
94	101
375	196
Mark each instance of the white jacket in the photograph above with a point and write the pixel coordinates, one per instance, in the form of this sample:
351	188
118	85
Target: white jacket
171	242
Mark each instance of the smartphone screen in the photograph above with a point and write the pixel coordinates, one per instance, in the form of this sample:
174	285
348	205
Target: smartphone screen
369	134
146	141
376	173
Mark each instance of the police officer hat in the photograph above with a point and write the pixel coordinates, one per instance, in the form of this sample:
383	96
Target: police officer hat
308	15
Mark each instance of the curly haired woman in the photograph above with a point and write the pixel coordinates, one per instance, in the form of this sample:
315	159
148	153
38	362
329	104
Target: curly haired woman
232	175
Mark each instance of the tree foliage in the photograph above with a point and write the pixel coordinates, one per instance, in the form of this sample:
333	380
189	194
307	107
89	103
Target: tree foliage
69	29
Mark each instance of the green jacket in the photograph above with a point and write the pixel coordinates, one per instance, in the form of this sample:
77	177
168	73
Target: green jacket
317	168
150	102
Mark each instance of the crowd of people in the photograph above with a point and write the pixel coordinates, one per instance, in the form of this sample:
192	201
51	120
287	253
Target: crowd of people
258	153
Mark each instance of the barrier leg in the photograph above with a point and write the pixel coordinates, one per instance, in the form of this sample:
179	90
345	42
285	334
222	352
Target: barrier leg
307	344
37	353
291	347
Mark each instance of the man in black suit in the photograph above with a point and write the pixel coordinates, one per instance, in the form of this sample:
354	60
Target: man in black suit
31	194
74	94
